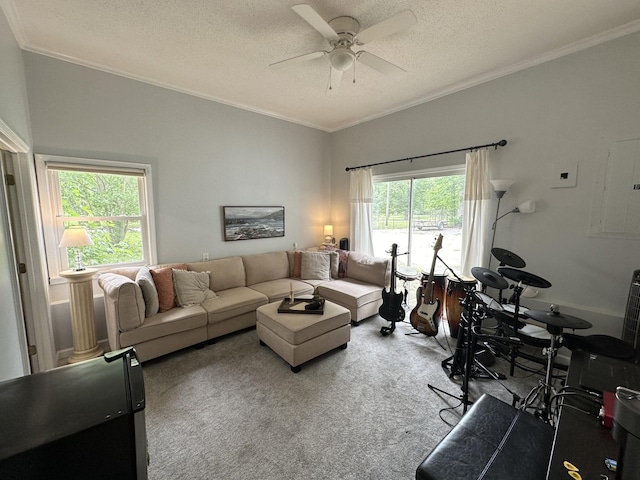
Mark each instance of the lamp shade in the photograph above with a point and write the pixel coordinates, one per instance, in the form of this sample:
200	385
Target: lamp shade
501	185
328	230
75	237
527	207
341	58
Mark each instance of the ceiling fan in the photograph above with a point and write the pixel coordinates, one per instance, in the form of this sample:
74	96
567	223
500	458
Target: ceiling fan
343	33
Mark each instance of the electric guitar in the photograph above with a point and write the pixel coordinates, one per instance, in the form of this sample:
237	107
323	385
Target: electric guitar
391	308
425	316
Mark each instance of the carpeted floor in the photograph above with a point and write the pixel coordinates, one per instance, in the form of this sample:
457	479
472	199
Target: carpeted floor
234	409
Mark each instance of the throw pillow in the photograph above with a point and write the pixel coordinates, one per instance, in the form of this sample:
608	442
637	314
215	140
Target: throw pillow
343	261
149	292
163	279
297	264
192	288
315	266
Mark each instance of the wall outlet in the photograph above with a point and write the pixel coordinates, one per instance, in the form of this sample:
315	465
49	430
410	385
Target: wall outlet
295	245
205	256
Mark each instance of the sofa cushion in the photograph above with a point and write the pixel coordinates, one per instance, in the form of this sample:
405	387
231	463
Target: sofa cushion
122	300
233	302
192	288
276	290
265	266
315	266
149	292
369	269
224	273
164	324
163	279
350	293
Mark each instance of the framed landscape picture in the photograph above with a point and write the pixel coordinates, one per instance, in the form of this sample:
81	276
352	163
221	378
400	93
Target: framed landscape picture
248	223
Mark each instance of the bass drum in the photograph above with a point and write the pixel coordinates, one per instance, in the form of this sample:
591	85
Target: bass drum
455	292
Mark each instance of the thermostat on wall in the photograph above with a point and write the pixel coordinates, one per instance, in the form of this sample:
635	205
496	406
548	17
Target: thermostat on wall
565	174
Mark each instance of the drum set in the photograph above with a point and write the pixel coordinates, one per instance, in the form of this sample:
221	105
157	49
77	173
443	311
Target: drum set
468	307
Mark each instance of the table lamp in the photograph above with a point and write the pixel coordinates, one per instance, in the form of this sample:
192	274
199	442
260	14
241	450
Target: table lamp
75	237
328	234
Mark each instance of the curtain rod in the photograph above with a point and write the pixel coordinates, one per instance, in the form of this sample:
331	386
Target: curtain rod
501	143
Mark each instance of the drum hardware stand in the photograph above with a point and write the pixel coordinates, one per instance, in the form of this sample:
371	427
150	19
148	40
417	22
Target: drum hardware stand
466	336
469	347
456	368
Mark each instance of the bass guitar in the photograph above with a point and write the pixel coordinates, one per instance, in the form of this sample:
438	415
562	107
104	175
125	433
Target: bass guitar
425	317
391	308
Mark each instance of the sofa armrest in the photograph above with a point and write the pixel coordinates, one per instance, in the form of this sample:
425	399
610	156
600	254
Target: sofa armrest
123	302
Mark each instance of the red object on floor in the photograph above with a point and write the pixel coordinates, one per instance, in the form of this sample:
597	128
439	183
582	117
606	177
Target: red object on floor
609	400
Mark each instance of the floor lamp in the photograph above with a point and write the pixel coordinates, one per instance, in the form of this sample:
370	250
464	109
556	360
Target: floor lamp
501	187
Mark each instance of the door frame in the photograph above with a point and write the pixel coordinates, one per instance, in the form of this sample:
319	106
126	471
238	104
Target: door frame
33	285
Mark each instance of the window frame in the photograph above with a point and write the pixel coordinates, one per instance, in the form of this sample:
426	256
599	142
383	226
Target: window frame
412	175
50	204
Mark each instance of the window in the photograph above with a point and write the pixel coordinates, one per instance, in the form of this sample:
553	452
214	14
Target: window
112	200
411	210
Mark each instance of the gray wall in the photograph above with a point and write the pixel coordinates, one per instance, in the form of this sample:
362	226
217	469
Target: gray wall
14	114
572	108
203	154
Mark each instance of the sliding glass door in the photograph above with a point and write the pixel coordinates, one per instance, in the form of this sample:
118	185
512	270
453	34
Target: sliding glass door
412	211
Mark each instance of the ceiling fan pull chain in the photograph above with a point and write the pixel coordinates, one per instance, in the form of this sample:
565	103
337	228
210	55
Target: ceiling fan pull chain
330	87
354	72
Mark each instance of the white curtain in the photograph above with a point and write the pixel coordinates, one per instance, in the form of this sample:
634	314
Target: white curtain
361	195
477	221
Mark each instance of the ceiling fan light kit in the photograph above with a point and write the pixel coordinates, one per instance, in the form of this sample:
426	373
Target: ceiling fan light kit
343	33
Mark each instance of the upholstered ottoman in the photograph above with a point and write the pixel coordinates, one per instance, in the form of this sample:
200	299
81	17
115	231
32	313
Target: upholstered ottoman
299	337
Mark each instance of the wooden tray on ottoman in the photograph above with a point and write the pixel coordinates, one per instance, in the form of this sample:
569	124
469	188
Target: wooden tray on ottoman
298	306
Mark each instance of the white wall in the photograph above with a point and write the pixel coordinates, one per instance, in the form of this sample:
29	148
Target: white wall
203	154
572	108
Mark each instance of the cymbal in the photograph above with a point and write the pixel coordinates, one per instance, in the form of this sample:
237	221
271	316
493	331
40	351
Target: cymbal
489	278
557	319
505	257
525	277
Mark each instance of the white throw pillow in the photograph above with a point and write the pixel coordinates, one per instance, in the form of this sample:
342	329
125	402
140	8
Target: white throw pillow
315	266
192	288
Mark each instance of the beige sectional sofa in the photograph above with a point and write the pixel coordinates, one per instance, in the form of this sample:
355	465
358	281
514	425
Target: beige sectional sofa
241	284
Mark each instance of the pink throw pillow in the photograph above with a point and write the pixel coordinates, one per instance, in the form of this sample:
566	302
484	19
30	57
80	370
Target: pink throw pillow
297	264
163	279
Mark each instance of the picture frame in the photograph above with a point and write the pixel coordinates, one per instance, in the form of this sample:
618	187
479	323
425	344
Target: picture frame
252	222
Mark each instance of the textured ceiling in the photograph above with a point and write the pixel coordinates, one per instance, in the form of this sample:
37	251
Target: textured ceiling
221	49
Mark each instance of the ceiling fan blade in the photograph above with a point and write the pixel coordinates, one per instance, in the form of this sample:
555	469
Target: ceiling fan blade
334	80
299	58
315	20
398	23
379	64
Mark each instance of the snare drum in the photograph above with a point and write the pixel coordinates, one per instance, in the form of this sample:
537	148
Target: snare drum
489	324
455	292
488	301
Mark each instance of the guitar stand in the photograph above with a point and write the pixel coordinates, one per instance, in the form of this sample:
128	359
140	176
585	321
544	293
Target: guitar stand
388	330
433	337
